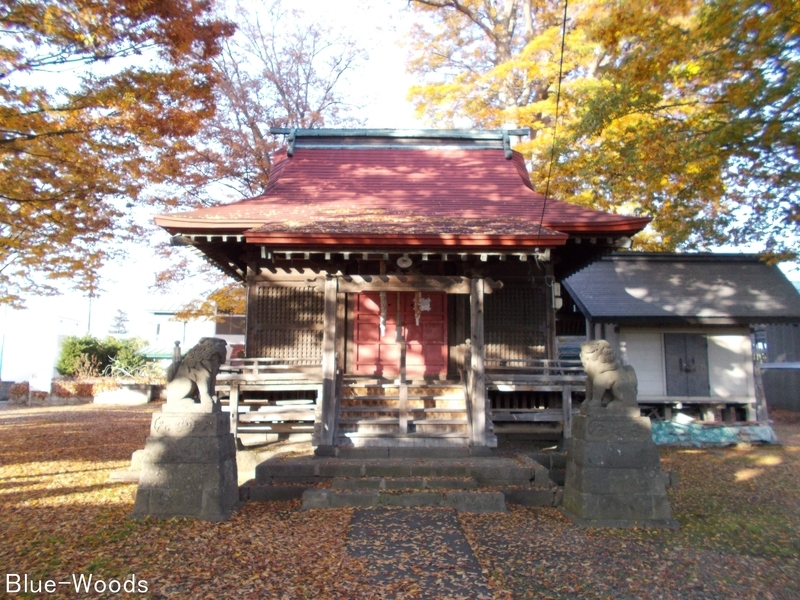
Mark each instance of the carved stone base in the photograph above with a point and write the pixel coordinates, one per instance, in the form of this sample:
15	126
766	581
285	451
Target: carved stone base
188	468
614	476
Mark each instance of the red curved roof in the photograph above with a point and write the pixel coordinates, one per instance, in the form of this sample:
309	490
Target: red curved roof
460	197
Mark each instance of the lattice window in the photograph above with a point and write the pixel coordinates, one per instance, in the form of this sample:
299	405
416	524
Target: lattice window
285	323
515	321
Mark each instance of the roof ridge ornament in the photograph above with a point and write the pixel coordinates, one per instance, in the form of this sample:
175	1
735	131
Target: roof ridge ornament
507	145
291	140
475	139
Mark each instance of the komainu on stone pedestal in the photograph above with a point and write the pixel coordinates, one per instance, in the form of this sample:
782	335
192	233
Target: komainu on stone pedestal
188	465
193	376
614	476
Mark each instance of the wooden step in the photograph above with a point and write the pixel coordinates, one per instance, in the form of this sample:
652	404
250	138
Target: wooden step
391	426
367	382
408	436
289	415
369	413
415	393
442	421
368	421
442	405
410	396
276	428
415	413
434	427
365	427
367	409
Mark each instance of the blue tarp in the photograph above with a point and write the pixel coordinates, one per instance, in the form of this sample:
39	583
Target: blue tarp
697	434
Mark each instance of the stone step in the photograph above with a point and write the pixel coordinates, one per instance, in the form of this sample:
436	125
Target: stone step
430	439
552	460
555	462
501	472
464	501
459	451
404	483
523	496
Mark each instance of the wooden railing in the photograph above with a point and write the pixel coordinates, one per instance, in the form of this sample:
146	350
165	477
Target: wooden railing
276	377
542	366
542	375
255	368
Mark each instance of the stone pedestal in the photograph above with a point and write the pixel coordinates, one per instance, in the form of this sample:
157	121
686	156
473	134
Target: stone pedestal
614	476
188	467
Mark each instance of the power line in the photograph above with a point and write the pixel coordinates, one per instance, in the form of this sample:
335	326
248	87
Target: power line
555	124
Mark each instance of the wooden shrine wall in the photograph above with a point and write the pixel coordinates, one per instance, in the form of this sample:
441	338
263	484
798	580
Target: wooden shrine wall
285	321
516	322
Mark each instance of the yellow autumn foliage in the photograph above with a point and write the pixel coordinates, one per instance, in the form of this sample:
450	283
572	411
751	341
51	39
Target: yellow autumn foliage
686	111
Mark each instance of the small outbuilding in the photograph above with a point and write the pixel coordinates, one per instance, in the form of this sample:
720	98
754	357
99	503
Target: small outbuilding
686	323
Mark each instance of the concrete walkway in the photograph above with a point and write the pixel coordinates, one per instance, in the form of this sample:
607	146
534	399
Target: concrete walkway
415	553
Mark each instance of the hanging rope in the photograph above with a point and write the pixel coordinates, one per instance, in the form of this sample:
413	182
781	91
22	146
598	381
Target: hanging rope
555	124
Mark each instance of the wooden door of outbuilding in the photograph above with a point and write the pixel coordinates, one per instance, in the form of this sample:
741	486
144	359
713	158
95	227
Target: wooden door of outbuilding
686	357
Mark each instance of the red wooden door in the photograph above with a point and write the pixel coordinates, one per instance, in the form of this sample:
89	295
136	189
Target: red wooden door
426	342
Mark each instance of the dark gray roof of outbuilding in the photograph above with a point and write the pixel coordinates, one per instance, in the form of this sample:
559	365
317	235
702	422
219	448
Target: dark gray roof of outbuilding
656	288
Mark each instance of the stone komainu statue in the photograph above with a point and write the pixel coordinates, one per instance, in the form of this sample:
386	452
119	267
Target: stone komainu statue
194	375
609	384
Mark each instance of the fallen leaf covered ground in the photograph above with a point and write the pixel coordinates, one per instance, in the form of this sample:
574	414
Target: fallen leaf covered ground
739	510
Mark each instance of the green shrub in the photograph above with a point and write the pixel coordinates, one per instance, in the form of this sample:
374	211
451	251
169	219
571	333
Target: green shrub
124	354
78	353
90	357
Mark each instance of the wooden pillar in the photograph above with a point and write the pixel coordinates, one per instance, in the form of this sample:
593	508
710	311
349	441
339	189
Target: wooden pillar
611	335
328	399
478	391
550	320
251	320
403	389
